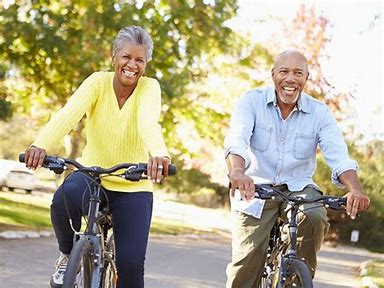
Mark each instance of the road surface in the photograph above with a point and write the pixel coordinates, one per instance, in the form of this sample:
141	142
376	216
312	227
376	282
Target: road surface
172	262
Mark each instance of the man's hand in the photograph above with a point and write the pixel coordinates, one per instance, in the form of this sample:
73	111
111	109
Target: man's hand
356	201
34	157
242	182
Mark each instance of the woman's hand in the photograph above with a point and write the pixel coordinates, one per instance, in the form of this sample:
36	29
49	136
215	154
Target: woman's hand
158	168
34	157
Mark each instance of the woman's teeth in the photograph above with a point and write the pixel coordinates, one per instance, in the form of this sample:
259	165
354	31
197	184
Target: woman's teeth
129	73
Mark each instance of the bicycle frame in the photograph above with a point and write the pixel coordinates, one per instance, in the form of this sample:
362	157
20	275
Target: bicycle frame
93	251
290	249
282	259
95	236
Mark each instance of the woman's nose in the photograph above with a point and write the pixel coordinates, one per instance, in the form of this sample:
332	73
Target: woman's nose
132	63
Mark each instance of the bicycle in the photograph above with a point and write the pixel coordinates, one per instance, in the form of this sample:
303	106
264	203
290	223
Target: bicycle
91	262
283	267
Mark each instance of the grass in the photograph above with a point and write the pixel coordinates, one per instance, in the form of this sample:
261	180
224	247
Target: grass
375	270
23	212
20	211
172	227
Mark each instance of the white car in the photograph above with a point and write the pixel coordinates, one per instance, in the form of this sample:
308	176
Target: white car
15	175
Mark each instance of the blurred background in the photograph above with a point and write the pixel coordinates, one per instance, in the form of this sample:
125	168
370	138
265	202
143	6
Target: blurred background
207	54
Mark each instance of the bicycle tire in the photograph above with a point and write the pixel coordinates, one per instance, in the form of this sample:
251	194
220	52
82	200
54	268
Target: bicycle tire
270	276
80	266
110	271
297	275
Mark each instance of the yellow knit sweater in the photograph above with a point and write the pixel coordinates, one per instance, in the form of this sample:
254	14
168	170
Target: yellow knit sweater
130	134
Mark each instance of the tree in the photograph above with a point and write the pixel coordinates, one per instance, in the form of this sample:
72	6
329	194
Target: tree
5	106
310	33
54	45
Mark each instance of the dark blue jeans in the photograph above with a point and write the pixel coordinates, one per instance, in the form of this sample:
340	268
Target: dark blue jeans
131	214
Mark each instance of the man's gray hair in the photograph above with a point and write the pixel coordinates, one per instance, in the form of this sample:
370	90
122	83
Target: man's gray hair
134	35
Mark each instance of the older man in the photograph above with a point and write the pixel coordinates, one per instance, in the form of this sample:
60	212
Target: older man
274	135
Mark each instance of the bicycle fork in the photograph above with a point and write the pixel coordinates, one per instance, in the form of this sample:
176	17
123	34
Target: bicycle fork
291	251
93	235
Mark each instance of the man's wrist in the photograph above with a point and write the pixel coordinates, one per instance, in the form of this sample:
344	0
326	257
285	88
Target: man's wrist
237	169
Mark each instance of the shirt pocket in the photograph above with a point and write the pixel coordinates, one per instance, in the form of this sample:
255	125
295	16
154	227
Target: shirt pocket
305	145
261	137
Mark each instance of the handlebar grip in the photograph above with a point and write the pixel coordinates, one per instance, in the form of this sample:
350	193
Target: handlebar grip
172	169
47	159
22	157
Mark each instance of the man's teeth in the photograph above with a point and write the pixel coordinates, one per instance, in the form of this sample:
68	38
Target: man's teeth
289	88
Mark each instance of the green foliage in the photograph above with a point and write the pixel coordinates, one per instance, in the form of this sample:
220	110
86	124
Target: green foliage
5	109
194	186
375	271
56	44
16	135
370	223
5	106
23	214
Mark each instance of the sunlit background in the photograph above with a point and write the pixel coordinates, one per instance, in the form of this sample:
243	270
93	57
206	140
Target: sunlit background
352	61
206	55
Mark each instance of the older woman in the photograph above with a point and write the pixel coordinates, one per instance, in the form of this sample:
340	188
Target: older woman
122	110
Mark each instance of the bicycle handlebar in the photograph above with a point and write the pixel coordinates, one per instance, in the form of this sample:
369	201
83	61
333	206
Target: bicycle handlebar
268	192
133	171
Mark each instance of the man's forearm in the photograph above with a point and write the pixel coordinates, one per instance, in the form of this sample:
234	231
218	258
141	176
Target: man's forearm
235	163
350	180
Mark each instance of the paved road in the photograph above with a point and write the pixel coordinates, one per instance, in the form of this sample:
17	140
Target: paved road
172	262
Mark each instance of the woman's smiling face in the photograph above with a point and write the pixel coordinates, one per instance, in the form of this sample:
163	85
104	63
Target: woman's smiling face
290	74
129	62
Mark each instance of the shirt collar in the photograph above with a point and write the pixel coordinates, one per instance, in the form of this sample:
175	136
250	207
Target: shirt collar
271	96
302	103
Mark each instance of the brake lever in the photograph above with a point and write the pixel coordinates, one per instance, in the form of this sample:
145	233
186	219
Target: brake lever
336	204
264	192
58	167
132	176
135	173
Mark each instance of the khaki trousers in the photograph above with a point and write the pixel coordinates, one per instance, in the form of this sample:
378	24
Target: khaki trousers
250	238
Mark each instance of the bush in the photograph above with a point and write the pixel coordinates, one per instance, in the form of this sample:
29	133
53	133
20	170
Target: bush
370	223
194	186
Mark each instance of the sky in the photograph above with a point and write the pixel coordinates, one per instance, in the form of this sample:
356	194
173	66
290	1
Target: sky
356	51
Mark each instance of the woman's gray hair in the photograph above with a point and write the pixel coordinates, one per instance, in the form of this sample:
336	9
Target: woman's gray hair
134	35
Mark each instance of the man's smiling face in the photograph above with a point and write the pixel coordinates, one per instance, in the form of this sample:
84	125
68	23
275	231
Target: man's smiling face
290	74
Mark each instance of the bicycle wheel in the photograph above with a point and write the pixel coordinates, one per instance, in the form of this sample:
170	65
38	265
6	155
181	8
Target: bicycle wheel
270	274
110	271
297	275
79	268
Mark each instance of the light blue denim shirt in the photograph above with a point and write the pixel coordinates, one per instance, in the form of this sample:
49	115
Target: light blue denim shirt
284	151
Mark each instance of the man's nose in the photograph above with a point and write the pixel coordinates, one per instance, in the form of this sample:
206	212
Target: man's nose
290	77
